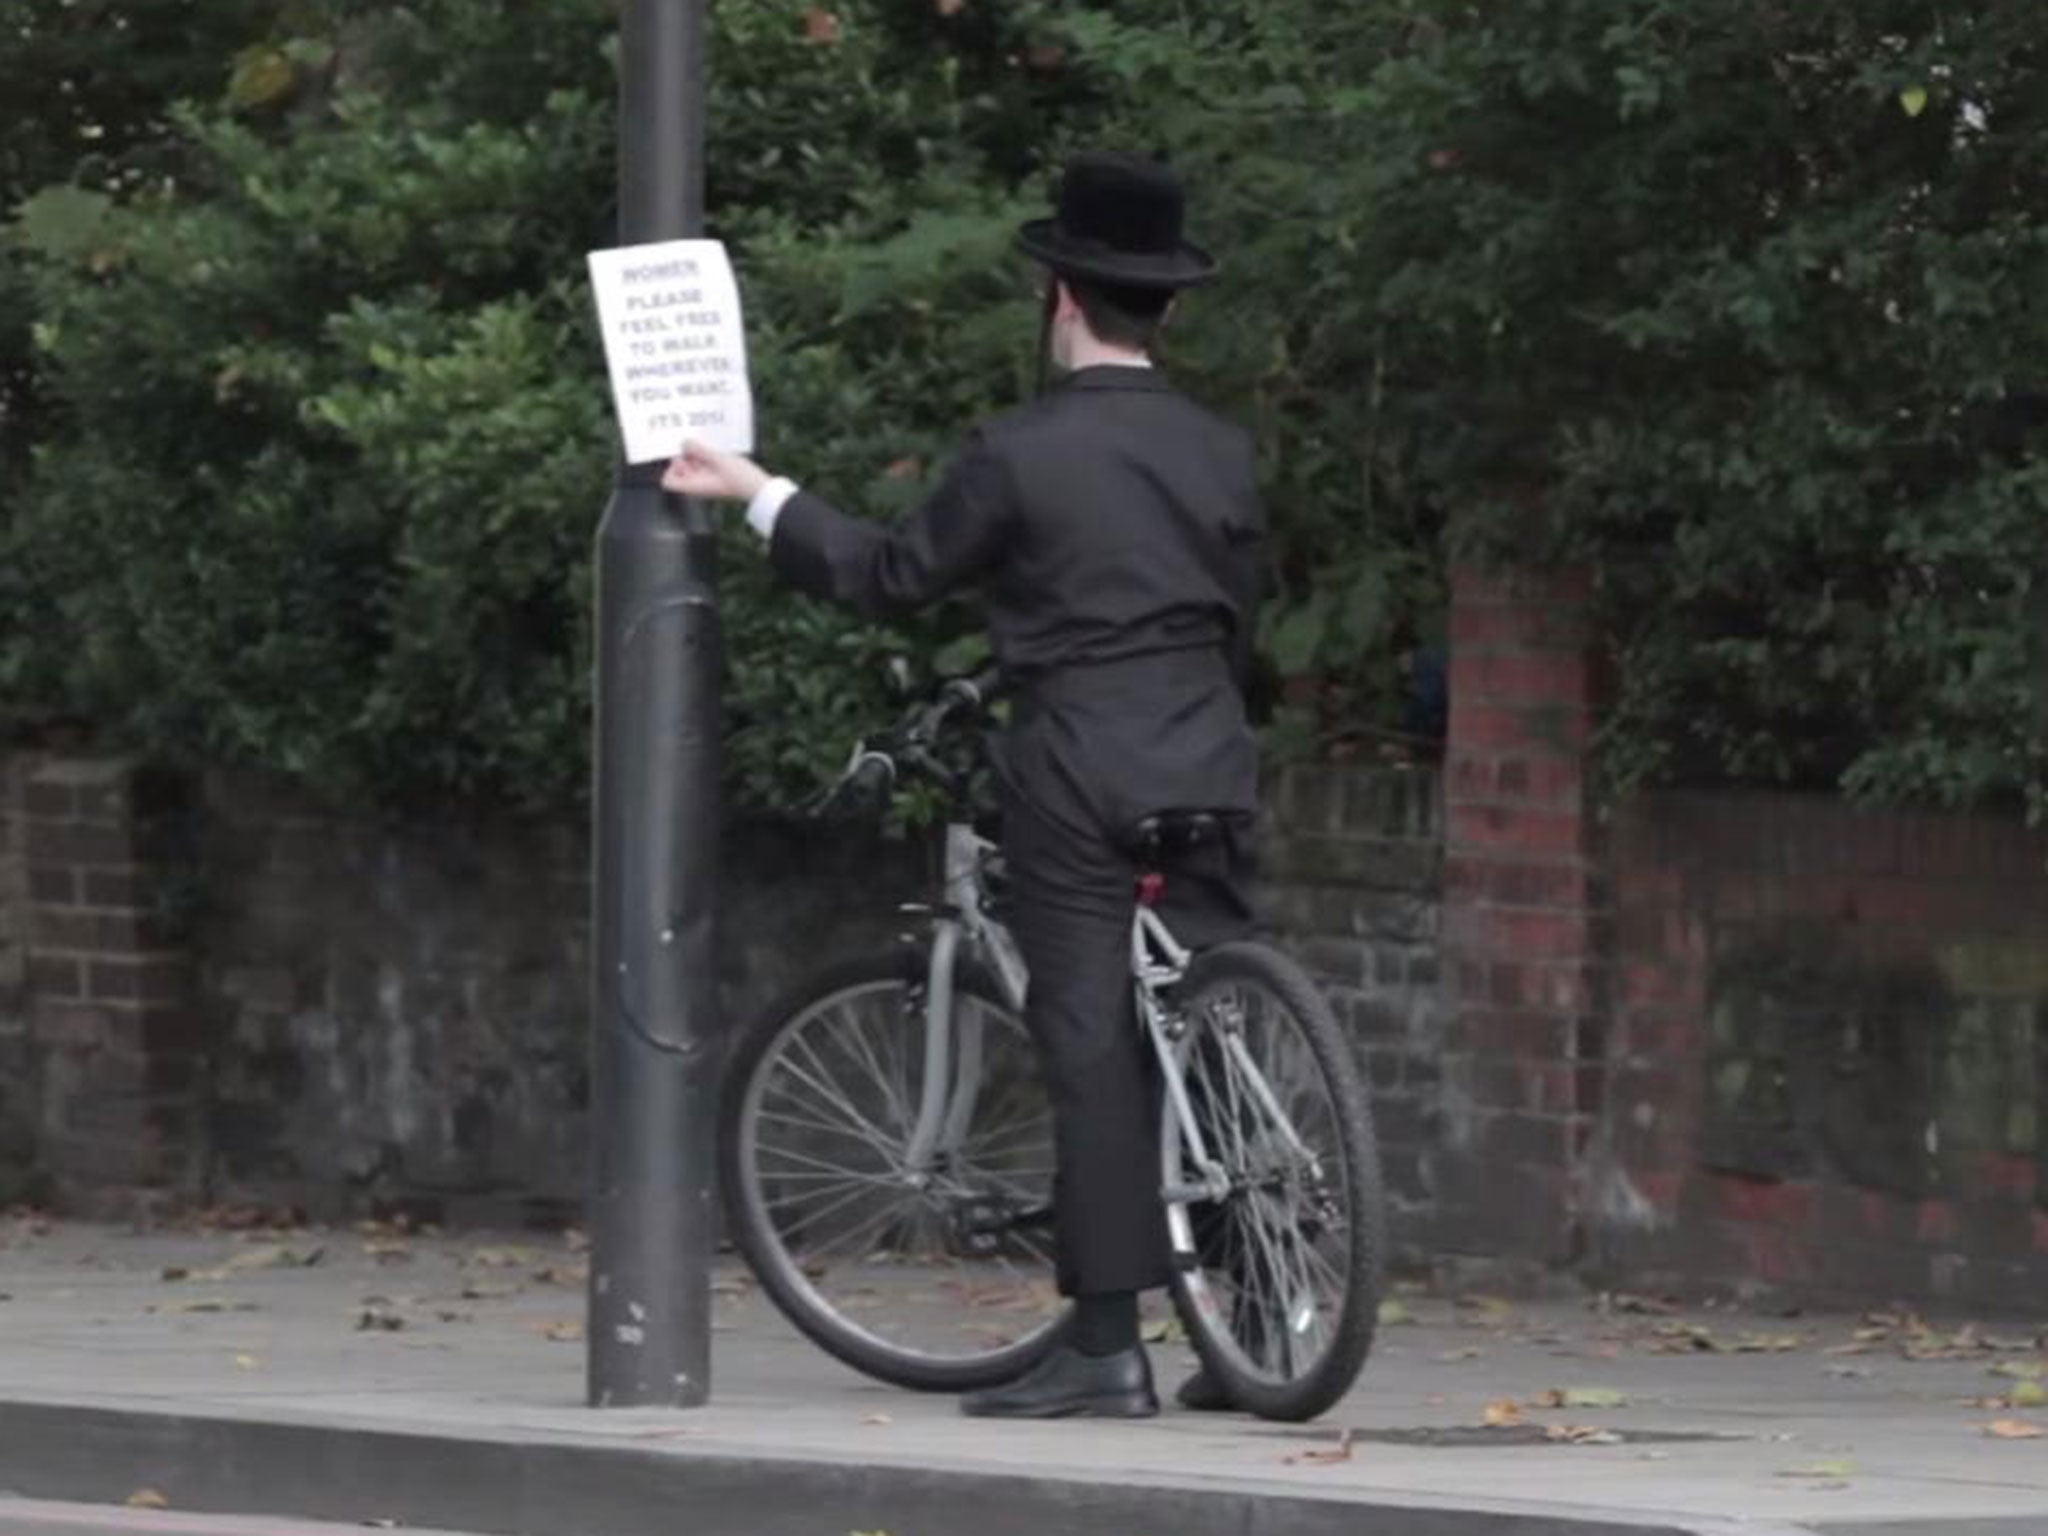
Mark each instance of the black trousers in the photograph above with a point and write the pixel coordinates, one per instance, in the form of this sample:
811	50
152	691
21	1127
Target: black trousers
1072	895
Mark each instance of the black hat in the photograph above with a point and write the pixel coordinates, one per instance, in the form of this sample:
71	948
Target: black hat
1119	222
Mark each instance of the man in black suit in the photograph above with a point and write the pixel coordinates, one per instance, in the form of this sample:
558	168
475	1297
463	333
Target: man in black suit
1114	529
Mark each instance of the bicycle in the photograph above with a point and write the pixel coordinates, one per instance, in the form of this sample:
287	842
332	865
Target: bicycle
886	1147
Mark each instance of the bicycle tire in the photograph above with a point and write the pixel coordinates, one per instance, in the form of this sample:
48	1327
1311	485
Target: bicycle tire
781	1274
1350	1118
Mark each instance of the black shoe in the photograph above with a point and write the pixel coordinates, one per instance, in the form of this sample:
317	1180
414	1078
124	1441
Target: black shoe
1203	1393
1067	1383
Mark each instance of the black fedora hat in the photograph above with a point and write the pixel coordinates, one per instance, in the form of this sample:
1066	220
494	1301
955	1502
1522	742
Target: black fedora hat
1119	222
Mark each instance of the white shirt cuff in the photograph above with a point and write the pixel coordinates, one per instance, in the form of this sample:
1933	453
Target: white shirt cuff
767	505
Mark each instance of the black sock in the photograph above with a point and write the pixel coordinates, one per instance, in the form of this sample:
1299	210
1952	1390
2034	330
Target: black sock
1105	1323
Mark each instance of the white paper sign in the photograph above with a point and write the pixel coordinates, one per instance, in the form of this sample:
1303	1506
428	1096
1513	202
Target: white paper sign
675	347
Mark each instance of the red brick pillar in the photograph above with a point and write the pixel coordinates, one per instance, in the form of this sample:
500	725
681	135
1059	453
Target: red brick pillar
1525	1047
115	1032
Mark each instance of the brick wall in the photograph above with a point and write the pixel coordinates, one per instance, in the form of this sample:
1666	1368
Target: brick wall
1724	1037
17	1090
344	1014
1525	1049
1831	1049
402	1011
116	1041
1353	864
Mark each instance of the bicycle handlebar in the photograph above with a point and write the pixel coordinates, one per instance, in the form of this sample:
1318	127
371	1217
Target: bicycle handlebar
872	770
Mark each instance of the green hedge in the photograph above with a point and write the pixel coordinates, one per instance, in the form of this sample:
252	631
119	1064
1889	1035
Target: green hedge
1737	303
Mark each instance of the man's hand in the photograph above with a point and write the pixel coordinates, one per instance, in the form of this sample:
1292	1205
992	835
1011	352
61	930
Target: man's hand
703	471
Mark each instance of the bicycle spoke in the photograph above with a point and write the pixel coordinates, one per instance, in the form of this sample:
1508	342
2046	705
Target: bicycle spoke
809	1219
1276	1254
875	1225
1273	1258
775	1117
898	1101
827	1125
835	1090
837	1099
791	1164
998	1135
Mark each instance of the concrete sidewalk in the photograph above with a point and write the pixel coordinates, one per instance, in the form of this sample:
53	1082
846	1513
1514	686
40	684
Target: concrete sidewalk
252	1384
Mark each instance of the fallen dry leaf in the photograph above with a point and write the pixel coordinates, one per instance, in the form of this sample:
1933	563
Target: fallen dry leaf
1766	1343
820	25
1487	1308
379	1316
1831	1469
1321	1456
1394	1313
1682	1338
501	1258
1581	1397
1582	1434
2020	1370
2014	1429
2006	1346
147	1498
2028	1394
1502	1412
1453	1356
878	1418
246	1362
270	1256
951	7
576	1240
488	1290
1624	1301
562	1333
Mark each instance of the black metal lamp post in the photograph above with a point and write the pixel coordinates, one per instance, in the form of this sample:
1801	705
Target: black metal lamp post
655	1057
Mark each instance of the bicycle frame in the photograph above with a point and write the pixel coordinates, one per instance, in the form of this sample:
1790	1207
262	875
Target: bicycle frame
1158	962
962	915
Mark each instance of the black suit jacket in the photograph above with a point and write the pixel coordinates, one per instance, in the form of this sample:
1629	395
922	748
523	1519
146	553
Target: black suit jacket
1115	531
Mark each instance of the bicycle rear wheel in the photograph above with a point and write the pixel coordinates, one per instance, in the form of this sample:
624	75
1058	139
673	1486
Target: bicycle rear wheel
1277	1280
940	1278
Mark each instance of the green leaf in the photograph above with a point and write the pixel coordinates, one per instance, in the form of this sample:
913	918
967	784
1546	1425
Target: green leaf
62	222
1914	100
262	77
961	656
1299	632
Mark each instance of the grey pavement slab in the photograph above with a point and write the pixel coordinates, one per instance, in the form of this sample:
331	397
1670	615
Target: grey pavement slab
238	1387
41	1517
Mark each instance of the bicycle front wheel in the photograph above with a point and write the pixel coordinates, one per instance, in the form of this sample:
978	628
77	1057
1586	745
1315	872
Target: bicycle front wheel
931	1272
1275	1216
